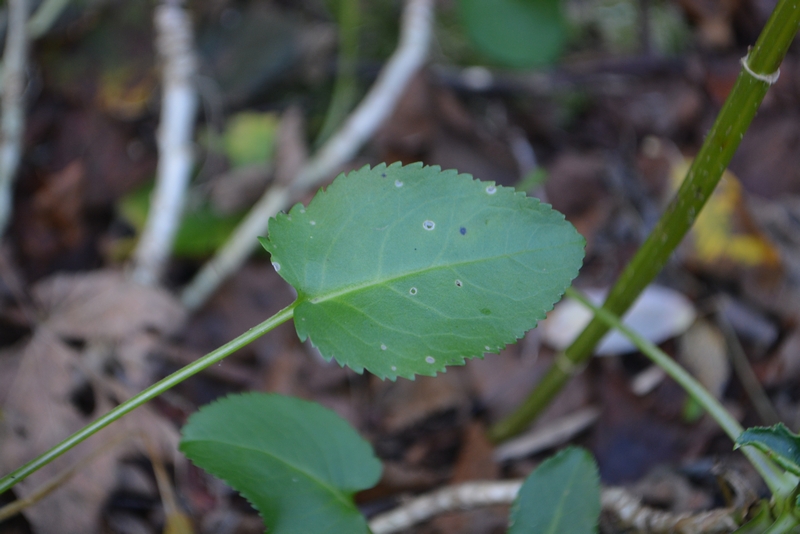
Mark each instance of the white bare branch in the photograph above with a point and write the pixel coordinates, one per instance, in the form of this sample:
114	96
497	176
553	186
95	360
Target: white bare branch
621	506
12	123
411	52
179	104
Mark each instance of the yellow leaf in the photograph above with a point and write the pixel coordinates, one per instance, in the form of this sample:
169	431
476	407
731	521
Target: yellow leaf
724	231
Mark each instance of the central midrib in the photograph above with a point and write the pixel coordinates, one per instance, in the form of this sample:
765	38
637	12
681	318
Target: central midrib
366	285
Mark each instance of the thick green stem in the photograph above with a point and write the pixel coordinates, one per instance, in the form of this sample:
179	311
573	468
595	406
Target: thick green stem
780	483
706	170
8	481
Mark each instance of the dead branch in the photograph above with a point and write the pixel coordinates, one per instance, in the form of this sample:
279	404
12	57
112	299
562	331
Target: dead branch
625	508
348	140
179	103
12	123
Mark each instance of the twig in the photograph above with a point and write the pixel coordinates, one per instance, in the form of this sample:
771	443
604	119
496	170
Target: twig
460	497
44	17
12	122
747	377
626	509
174	43
357	129
630	513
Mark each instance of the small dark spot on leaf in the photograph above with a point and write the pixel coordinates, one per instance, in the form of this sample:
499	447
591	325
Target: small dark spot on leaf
383	175
486	311
463	230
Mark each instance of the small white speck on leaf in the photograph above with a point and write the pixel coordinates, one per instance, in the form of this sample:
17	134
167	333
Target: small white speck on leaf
398	183
394	368
383	347
302	210
487	347
459	283
277	266
412	291
491	190
429	225
430	359
313	223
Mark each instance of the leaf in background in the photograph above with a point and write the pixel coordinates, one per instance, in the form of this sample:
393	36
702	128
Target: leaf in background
561	495
406	270
777	442
298	463
202	231
518	33
249	138
725	233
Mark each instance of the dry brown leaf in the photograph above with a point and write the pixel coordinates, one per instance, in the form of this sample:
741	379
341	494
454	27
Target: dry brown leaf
114	317
105	305
703	353
39	414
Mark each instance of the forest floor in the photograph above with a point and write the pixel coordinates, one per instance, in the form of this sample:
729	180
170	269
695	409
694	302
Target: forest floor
603	137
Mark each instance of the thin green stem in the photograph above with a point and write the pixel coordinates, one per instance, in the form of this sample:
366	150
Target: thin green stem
780	483
8	481
345	88
703	176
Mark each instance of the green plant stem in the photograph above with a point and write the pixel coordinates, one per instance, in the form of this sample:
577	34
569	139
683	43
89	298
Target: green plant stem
345	88
8	481
703	176
785	523
780	483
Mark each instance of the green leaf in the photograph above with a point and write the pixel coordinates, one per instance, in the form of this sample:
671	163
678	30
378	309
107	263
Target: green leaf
518	33
406	270
761	519
202	231
298	463
249	138
561	495
777	442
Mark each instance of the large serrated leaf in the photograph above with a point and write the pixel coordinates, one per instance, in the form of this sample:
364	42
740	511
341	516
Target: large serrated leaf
406	270
777	442
561	495
298	463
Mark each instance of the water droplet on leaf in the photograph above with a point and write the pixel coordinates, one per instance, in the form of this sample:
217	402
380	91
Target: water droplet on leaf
413	291
398	183
430	359
277	266
458	283
429	225
383	347
491	190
